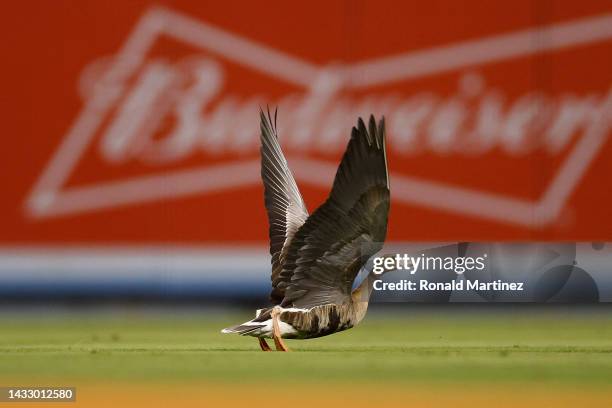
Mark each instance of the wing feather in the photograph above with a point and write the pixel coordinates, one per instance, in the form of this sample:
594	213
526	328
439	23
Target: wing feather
330	248
283	201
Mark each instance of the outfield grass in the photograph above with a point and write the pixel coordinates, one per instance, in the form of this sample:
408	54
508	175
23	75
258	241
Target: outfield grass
431	347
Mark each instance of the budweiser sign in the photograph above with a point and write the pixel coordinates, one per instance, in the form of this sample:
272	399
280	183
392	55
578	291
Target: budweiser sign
173	107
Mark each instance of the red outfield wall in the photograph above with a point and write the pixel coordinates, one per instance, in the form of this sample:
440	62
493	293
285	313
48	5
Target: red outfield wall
137	122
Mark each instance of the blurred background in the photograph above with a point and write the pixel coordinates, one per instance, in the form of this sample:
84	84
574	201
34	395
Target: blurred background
131	166
132	220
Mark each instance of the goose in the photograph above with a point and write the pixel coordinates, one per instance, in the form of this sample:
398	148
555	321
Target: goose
316	258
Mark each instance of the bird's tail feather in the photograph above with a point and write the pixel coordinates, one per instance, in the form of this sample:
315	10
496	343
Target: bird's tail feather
243	329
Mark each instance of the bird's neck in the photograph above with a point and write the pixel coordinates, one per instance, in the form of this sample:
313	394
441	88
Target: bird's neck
364	290
361	297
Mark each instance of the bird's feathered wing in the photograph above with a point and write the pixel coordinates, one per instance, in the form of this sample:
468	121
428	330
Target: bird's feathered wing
284	204
328	250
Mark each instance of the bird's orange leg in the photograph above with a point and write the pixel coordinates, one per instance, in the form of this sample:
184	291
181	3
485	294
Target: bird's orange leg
264	346
276	333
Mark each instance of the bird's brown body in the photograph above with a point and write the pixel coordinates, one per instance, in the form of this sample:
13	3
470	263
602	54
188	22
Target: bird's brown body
326	319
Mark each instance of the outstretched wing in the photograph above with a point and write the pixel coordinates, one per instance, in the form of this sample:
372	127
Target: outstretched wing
328	251
284	203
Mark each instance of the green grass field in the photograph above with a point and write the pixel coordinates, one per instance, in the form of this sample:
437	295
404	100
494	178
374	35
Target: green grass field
429	348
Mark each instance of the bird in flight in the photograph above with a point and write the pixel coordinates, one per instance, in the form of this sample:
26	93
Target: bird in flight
316	258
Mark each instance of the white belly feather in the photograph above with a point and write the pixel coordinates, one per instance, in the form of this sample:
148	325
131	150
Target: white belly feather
266	329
